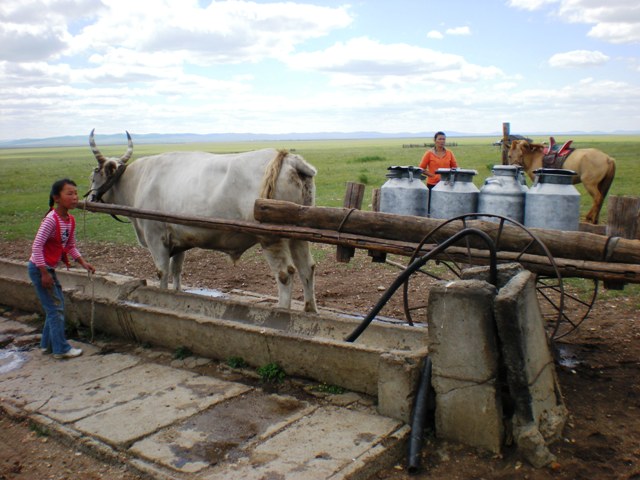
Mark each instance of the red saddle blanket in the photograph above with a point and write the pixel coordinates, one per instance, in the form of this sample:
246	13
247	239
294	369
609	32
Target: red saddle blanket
556	154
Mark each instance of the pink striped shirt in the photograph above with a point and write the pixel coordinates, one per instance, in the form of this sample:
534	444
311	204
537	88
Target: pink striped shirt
47	230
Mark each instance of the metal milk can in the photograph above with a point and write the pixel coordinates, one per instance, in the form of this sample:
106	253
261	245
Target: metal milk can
405	193
455	194
503	193
553	201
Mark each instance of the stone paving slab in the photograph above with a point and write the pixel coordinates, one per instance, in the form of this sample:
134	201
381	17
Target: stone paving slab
225	430
107	393
318	446
171	423
141	416
41	378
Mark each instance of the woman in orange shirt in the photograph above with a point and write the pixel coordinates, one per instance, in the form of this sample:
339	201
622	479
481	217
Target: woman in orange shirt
435	158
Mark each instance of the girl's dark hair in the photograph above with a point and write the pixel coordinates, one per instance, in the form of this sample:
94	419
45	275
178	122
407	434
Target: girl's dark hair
57	187
439	133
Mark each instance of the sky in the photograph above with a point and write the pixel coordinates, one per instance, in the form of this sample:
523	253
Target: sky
391	66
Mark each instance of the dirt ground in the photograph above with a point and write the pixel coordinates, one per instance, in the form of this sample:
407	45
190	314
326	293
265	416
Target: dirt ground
598	375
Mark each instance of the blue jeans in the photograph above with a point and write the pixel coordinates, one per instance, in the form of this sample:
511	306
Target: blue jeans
52	301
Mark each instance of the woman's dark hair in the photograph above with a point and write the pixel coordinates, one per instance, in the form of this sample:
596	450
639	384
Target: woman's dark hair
57	187
439	133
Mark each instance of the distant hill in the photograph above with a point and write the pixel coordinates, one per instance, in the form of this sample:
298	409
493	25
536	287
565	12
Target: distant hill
168	138
184	138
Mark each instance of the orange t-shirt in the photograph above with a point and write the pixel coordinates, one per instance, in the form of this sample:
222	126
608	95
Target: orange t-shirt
432	162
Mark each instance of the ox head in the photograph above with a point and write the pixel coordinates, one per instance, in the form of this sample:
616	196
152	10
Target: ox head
108	171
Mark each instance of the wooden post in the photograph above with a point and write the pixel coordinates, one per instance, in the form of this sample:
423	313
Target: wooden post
623	220
506	130
376	255
623	217
352	199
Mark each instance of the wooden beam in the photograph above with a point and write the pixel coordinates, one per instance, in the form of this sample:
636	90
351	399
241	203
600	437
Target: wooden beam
561	244
536	263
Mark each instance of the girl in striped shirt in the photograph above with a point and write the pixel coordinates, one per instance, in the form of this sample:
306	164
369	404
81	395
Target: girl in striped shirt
55	241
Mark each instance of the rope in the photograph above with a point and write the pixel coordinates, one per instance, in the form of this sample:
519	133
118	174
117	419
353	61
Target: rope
91	282
344	220
93	307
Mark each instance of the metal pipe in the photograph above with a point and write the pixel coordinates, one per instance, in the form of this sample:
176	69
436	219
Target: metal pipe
418	263
425	396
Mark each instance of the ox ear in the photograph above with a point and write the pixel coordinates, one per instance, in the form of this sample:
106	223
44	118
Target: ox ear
110	168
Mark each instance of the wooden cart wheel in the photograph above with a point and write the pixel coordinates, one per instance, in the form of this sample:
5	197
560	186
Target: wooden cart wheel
563	309
578	298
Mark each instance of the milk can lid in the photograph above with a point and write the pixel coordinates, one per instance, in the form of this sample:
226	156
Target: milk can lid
396	171
456	170
554	171
506	168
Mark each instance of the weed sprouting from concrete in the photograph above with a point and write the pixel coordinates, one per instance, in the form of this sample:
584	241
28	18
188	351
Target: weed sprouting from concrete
182	352
272	373
332	389
236	362
39	430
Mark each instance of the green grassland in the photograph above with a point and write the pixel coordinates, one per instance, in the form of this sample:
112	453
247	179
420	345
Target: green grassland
26	174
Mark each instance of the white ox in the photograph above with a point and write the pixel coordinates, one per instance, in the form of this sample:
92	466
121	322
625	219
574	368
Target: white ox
211	185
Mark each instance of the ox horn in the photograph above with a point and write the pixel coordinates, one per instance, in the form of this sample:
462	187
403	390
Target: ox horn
129	151
94	149
101	158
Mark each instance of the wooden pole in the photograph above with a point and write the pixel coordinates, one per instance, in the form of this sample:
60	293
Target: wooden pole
623	220
535	263
506	131
376	256
623	217
352	199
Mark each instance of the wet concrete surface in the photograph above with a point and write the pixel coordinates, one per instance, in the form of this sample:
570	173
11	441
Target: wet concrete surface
168	420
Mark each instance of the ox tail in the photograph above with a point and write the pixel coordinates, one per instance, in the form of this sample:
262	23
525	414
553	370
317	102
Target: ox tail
271	174
606	182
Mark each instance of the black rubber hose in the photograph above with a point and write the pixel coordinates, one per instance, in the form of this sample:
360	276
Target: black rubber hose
415	266
424	398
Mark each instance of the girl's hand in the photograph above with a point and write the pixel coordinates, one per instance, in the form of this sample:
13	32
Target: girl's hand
46	279
87	266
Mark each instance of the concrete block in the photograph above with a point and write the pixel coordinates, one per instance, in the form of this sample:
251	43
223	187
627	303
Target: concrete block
462	341
506	271
471	414
531	374
398	376
464	352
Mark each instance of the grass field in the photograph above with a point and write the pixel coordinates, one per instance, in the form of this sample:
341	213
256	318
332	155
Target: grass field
26	174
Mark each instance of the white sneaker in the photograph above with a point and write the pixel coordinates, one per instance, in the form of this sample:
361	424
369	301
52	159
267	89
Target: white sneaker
44	351
74	352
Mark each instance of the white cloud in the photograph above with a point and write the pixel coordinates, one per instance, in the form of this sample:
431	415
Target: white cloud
578	58
458	31
367	62
435	34
614	21
530	4
223	32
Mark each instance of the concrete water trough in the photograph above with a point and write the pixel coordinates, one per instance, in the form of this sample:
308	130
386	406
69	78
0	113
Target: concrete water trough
384	362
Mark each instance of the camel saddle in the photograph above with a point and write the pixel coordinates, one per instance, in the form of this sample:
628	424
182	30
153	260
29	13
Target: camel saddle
555	154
